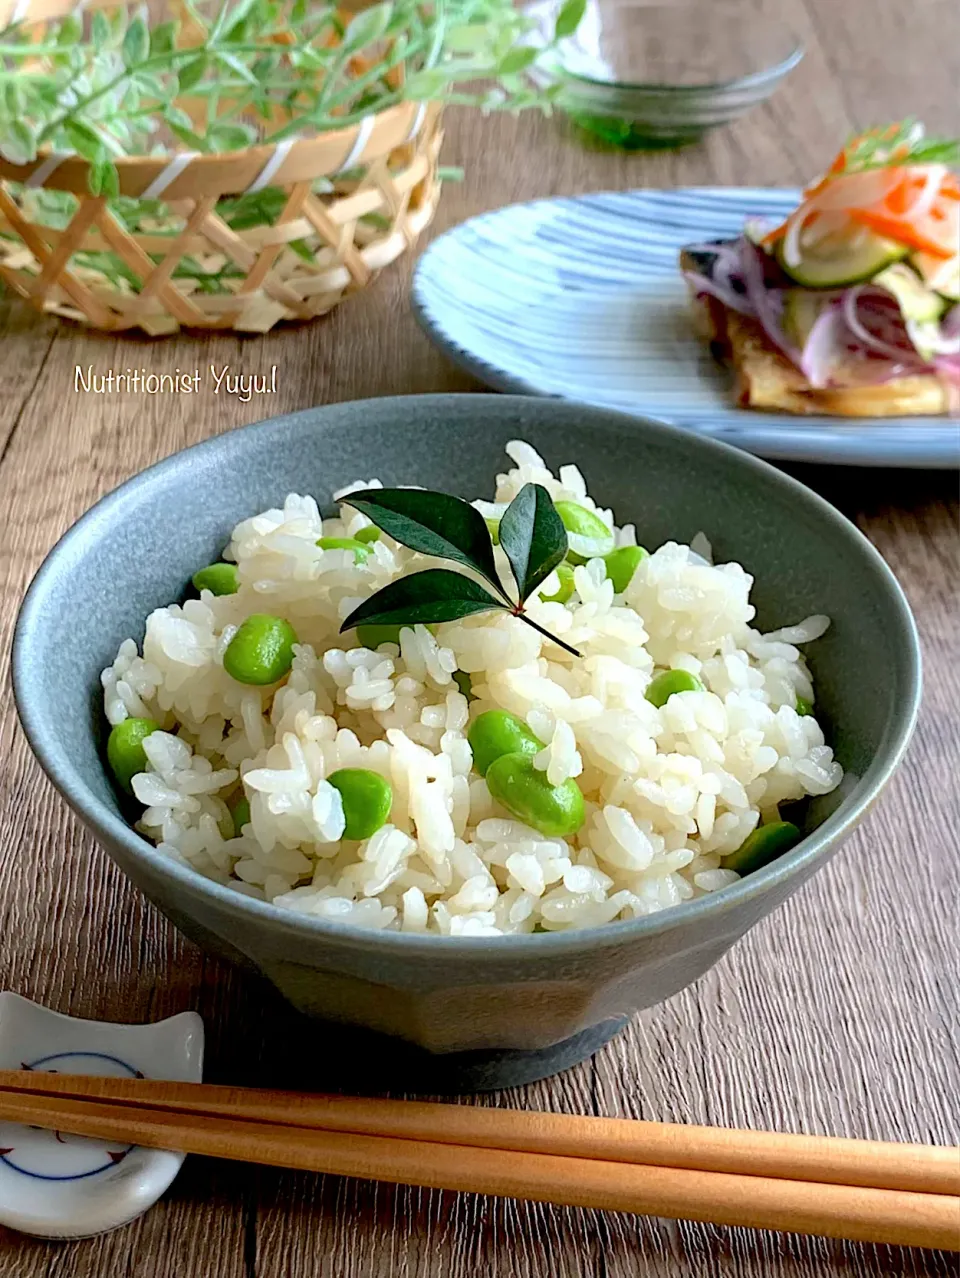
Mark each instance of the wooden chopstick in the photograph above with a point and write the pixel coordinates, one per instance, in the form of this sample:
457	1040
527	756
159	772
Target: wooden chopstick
826	1159
834	1210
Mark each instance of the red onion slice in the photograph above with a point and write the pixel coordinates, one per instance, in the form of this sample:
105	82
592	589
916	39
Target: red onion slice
931	337
726	272
821	351
724	293
791	241
862	329
851	301
874	372
723	248
832	345
765	302
948	366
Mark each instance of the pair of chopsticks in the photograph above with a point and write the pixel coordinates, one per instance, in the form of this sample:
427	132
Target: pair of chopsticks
867	1191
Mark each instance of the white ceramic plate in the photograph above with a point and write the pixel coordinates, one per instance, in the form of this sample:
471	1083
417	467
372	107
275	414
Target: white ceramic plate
581	298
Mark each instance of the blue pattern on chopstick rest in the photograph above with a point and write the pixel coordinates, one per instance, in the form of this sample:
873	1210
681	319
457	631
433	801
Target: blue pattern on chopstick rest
581	298
50	1155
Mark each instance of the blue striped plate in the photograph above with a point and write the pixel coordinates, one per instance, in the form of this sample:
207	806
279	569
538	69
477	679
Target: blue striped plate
582	299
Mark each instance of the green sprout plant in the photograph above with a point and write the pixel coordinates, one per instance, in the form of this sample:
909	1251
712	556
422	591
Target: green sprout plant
254	71
224	75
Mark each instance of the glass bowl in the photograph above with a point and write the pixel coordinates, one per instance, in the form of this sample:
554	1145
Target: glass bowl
641	75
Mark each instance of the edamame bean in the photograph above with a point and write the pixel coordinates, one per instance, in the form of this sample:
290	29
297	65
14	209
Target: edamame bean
764	845
621	564
125	752
368	535
361	553
555	810
241	814
261	651
497	732
219	579
662	688
367	800
565	589
804	707
581	521
588	537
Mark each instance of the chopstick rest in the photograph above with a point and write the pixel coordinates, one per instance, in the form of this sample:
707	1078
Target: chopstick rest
53	1185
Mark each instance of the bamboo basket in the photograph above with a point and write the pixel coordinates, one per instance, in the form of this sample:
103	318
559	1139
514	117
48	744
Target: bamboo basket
379	191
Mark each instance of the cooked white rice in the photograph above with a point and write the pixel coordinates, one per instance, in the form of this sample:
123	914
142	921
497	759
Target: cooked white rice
669	792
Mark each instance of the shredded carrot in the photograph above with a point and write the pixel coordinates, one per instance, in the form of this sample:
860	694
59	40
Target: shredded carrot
935	231
895	228
897	199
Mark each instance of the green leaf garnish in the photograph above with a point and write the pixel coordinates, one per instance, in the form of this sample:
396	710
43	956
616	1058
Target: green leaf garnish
464	683
533	537
903	143
449	528
936	151
437	594
436	524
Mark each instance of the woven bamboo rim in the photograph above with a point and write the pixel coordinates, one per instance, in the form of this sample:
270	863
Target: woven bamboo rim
391	159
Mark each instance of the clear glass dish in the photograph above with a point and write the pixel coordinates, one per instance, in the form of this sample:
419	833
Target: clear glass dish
641	75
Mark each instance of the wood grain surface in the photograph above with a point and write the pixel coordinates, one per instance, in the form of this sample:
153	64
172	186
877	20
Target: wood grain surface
836	1015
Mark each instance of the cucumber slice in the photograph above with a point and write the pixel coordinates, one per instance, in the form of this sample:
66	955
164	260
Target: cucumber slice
915	299
802	308
942	276
925	335
949	285
840	260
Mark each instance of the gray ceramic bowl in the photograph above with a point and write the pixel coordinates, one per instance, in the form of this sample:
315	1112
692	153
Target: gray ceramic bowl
498	1010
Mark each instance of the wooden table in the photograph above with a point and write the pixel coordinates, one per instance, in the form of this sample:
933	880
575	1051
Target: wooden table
838	1014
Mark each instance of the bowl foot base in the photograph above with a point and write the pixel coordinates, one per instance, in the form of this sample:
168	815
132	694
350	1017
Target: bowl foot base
371	1062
